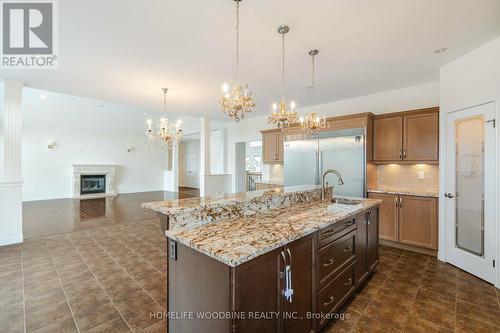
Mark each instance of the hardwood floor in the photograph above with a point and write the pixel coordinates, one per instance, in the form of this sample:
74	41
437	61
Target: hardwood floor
50	217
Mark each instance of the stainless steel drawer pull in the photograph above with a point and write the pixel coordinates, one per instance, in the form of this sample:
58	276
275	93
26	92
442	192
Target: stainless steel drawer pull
348	282
328	263
329	302
348	249
328	233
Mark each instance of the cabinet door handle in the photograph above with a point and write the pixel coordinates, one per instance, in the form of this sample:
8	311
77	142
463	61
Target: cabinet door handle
289	256
348	282
348	223
400	202
400	154
329	302
328	263
404	154
396	201
348	249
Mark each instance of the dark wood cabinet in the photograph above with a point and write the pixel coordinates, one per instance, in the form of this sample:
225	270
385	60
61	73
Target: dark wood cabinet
366	244
372	253
272	146
421	137
418	221
388	138
255	296
320	268
361	269
260	283
388	223
406	137
410	220
300	258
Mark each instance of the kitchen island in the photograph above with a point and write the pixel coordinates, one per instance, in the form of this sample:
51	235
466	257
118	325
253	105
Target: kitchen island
274	261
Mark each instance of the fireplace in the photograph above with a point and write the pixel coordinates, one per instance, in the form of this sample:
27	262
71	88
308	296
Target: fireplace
92	181
92	184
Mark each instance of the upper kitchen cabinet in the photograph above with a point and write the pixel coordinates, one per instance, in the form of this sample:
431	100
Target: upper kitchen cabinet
407	137
272	146
388	138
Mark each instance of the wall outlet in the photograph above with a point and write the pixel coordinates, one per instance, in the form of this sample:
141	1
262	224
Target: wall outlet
421	174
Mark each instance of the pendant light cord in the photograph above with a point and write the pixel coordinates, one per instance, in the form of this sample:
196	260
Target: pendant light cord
283	65
313	75
237	41
165	101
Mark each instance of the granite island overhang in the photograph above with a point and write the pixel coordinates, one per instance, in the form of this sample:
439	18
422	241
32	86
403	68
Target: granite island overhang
280	252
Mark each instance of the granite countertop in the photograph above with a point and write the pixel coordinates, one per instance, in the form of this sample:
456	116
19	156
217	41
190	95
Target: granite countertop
171	207
430	194
236	241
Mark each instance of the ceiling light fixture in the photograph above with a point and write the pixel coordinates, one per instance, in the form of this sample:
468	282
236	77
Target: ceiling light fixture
312	123
167	133
441	50
280	116
239	101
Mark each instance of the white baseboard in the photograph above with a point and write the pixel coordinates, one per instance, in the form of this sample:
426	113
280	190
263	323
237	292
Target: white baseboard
12	240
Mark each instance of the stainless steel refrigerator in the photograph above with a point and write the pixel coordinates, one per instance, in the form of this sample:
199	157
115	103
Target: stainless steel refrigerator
305	160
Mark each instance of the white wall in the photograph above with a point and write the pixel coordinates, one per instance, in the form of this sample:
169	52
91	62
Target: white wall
86	131
422	96
468	81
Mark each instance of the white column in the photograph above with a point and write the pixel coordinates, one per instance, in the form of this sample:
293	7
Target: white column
11	190
12	131
205	146
224	149
204	155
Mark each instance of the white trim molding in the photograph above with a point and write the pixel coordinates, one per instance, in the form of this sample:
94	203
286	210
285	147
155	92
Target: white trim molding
91	169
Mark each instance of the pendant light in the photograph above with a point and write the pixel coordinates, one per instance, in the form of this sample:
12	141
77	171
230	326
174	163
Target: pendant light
237	102
167	133
280	115
312	123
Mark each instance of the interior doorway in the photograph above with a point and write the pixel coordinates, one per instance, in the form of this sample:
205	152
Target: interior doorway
189	163
471	191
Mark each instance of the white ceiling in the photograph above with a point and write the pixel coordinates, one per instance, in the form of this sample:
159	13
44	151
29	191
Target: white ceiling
124	51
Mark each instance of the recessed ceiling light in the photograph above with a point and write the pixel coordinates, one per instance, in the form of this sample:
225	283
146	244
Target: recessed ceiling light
441	50
42	96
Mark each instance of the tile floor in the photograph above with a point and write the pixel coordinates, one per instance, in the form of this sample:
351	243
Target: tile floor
416	293
104	279
111	278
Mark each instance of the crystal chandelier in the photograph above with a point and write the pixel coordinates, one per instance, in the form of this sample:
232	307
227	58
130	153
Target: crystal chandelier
166	133
312	123
280	116
237	102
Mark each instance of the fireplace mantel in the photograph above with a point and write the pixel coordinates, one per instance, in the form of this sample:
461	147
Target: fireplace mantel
93	169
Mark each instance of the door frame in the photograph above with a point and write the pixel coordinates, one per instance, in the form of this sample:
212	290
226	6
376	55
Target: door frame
443	225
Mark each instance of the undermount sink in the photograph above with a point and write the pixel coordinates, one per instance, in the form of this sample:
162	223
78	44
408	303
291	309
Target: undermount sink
344	201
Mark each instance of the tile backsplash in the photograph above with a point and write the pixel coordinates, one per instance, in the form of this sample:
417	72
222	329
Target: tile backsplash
273	172
406	177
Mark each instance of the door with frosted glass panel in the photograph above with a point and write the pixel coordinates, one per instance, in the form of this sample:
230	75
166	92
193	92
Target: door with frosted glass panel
470	190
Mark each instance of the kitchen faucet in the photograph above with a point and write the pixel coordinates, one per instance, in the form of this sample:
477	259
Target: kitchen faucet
339	179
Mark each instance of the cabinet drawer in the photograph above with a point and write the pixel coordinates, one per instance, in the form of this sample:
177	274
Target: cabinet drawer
331	297
329	234
334	256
